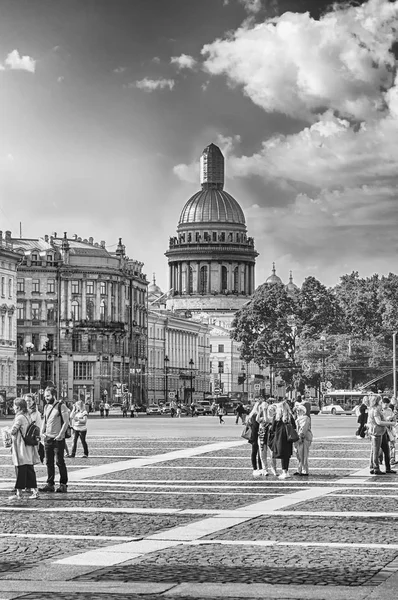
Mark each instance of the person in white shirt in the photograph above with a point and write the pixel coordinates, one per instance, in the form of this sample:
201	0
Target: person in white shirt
78	417
54	425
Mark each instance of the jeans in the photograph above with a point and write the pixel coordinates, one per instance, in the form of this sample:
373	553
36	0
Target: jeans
375	445
82	436
385	447
55	452
255	457
241	417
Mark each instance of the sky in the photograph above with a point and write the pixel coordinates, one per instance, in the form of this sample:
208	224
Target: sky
106	106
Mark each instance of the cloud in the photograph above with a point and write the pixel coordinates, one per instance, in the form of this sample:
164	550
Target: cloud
150	85
251	6
15	61
299	66
185	61
60	79
119	70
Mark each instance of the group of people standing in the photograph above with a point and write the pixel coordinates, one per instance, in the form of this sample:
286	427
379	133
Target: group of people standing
276	428
55	424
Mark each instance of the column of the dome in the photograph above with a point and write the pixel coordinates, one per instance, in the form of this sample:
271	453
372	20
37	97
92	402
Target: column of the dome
170	277
209	278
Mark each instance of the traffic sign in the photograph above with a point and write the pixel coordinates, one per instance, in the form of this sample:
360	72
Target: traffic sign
172	395
267	388
329	385
217	390
257	387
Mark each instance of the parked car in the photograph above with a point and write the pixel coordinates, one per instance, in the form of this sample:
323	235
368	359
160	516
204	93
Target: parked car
315	410
206	406
199	410
153	409
116	405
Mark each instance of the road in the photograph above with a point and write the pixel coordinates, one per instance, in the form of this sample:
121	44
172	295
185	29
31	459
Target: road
168	508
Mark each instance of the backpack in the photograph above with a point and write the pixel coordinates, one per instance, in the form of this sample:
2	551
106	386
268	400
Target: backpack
32	435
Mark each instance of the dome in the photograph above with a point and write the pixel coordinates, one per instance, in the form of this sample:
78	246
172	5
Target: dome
274	277
153	289
212	206
291	287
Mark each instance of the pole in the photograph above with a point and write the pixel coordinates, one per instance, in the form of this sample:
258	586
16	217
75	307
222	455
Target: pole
191	363
28	370
394	362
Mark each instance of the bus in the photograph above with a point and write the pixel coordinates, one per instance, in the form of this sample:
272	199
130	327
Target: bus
341	402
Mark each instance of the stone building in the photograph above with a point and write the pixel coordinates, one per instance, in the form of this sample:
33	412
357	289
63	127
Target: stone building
8	327
178	353
84	310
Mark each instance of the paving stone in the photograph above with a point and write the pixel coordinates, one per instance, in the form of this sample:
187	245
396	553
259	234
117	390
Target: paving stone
281	565
333	504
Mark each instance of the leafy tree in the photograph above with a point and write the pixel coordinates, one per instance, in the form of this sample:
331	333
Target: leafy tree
317	309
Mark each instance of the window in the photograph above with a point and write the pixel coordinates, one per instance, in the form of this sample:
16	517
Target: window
92	343
113	312
50	286
112	288
50	259
3	326
50	343
20	285
36	341
75	287
90	310
103	288
36	285
103	310
75	311
190	280
82	370
34	258
220	367
51	316
224	279
214	236
203	280
20	341
221	347
236	279
10	332
211	366
10	288
90	287
76	342
20	311
35	311
3	286
211	348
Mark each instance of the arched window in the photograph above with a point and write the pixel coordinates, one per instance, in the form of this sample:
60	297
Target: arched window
203	280
224	279
75	311
190	280
236	279
103	310
90	310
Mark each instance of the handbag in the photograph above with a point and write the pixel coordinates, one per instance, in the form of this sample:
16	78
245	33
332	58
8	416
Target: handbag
291	433
247	431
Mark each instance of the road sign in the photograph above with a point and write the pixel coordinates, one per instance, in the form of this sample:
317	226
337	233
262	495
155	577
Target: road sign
172	395
217	390
329	385
267	388
257	387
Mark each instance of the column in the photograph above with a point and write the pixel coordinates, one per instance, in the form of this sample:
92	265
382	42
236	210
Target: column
83	299
198	276
170	276
97	300
209	278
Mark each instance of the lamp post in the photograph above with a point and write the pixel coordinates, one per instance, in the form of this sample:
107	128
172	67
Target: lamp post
243	381
323	340
191	364
29	348
46	350
166	377
394	363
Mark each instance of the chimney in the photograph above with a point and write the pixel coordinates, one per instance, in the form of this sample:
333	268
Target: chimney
46	238
79	239
91	240
54	234
75	236
102	243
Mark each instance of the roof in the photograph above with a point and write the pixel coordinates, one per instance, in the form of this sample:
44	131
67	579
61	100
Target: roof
212	206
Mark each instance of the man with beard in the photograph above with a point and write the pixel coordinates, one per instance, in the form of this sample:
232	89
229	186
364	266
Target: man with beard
54	425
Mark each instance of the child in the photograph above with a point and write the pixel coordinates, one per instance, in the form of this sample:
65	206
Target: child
303	424
220	413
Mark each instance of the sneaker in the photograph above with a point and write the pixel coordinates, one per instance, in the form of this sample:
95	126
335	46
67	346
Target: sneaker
282	476
391	472
62	489
47	488
358	437
273	471
372	471
264	473
297	474
14	497
304	474
256	474
83	456
34	495
378	472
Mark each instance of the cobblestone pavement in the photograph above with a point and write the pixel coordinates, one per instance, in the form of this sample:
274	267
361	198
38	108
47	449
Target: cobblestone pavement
278	548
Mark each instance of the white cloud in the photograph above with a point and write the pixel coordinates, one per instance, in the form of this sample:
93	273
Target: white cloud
149	85
185	61
251	6
119	70
15	61
299	66
60	79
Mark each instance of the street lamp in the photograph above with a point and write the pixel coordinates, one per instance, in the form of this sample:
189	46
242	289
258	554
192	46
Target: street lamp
394	363
243	380
46	350
29	347
323	340
191	364
166	377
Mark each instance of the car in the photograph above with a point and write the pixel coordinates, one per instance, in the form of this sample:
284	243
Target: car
199	410
116	405
314	410
206	406
153	409
333	409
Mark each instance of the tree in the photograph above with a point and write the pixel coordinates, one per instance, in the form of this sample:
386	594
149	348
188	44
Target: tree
317	310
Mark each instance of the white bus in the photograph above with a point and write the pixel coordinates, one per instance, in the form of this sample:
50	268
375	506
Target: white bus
341	402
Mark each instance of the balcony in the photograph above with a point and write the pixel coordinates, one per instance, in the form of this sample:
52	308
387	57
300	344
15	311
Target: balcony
105	325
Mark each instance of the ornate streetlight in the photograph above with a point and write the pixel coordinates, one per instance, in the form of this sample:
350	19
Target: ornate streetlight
166	377
46	349
29	347
191	364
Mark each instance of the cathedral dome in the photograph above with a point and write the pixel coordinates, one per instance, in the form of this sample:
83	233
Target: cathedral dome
212	206
154	290
274	277
291	287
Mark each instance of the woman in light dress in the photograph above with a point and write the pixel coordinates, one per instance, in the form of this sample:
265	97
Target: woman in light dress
303	424
24	457
78	418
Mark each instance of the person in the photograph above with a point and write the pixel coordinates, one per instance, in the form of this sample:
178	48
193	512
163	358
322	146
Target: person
36	418
214	408
193	409
302	402
106	408
376	427
220	413
265	415
303	424
179	410
78	418
54	425
240	413
389	434
24	457
172	409
282	447
101	408
254	441
124	408
362	418
271	412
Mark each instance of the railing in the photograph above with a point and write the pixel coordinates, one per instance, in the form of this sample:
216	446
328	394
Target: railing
100	324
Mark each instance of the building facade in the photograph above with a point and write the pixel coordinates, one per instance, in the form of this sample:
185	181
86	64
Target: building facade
82	310
8	320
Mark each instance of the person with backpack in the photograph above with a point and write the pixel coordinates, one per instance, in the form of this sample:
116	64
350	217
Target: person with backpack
36	419
78	418
24	454
54	427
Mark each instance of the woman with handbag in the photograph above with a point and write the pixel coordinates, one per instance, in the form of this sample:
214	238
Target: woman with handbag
78	418
24	457
284	434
